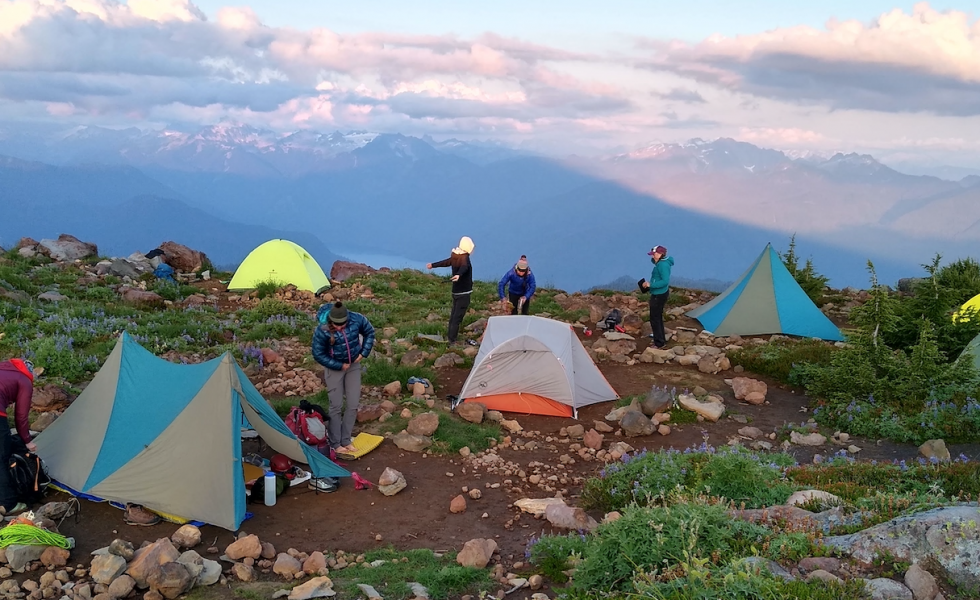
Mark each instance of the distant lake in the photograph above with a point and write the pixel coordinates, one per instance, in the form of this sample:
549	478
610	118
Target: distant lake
382	260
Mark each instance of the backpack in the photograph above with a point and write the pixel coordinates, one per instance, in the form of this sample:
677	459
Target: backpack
28	477
307	425
613	318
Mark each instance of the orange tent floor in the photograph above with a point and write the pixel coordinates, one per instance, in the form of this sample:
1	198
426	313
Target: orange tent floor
524	404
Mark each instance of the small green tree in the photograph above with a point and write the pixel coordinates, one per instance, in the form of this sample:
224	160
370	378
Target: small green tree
812	282
961	278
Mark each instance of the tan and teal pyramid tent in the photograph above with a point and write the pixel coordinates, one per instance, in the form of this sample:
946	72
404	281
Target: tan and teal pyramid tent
167	436
765	299
281	261
972	353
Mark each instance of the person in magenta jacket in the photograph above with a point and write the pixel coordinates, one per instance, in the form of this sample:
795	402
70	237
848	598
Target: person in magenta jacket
16	391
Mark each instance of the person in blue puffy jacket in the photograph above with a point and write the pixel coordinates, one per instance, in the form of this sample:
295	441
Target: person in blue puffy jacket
341	340
520	281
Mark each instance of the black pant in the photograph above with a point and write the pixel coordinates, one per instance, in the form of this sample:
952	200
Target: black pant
657	304
461	302
8	497
514	299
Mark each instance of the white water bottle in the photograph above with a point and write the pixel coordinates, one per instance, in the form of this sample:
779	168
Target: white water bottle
270	488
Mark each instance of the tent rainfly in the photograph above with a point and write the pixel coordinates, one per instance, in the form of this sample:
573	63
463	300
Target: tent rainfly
534	365
281	261
972	353
765	299
969	307
167	436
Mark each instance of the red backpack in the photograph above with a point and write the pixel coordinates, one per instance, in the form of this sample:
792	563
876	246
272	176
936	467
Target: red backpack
307	425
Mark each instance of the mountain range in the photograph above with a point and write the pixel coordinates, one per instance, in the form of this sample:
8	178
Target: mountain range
581	220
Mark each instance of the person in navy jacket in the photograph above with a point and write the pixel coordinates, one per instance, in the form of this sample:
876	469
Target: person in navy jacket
520	280
340	341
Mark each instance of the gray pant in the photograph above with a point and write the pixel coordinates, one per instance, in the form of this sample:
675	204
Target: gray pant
343	386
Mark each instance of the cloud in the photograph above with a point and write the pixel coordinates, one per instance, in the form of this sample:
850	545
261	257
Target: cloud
155	58
926	61
780	137
682	95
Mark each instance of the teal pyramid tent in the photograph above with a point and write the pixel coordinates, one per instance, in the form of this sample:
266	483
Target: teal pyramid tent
765	299
167	436
972	353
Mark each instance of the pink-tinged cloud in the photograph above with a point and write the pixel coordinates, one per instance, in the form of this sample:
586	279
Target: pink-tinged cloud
150	57
782	137
924	61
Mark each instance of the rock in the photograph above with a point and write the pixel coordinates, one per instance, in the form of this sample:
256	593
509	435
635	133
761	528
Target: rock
107	567
755	398
53	557
602	427
246	547
122	548
635	424
270	356
67	248
804	496
921	583
569	517
616	415
474	412
171	580
19	556
935	449
711	410
475	494
424	424
120	267
286	566
708	365
369	412
394	388
824	576
182	258
318	587
663	430
343	270
537	506
391	482
476	553
657	400
418	389
575	431
449	359
458	505
315	564
535	581
757	563
369	591
743	386
593	439
268	551
52	297
820	563
148	559
810	439
141	297
187	536
44	420
411	443
887	589
753	433
511	426
243	572
949	536
413	358
121	586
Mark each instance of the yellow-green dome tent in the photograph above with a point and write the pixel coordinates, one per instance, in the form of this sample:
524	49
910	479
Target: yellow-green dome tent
971	304
281	261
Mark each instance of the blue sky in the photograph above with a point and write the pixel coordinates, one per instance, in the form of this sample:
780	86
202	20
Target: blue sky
900	80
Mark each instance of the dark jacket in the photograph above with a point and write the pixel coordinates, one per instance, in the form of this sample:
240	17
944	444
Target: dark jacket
460	264
16	390
333	349
522	286
660	276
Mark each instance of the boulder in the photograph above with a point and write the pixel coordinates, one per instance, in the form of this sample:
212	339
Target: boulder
805	496
148	560
67	248
743	386
921	583
122	548
424	424
887	589
935	449
413	358
449	359
593	439
411	443
342	270
657	400
569	517
44	420
120	267
753	433
391	482
810	439
537	506
474	412
187	536
121	586
315	564
576	432
820	563
54	557
19	556
636	424
106	568
949	536
243	572
170	580
182	258
458	505
49	397
286	566
394	388
711	410
369	412
141	297
52	297
616	414
476	553
246	547
318	587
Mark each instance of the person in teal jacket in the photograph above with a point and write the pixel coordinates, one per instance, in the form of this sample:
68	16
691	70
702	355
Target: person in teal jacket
659	288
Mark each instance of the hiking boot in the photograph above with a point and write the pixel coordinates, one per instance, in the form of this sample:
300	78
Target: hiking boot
17	509
325	484
137	515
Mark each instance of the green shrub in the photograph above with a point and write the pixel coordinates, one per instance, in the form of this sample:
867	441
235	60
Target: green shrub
453	434
378	370
264	289
555	554
812	282
962	278
782	358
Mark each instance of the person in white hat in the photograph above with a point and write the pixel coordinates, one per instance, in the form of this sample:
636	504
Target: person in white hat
462	278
